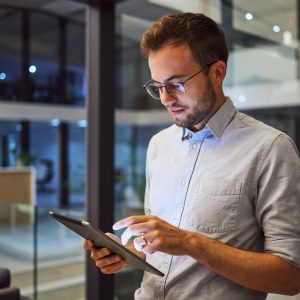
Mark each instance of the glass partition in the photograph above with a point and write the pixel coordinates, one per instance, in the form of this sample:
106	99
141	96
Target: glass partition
44	61
17	244
42	56
10	66
46	260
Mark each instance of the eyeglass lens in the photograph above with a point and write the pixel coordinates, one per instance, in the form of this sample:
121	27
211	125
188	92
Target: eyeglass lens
172	88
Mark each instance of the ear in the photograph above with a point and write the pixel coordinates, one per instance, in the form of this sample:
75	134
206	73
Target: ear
219	72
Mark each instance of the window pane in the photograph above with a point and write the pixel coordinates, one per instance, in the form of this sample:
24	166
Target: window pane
75	63
44	57
10	52
77	159
44	148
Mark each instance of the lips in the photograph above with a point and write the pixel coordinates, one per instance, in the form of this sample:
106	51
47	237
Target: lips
176	112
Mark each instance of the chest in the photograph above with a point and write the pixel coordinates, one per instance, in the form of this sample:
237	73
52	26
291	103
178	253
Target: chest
205	186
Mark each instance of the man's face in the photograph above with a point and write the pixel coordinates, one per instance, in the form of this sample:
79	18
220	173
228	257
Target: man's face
193	108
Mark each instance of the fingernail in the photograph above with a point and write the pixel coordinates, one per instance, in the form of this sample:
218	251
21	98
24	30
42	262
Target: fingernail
115	226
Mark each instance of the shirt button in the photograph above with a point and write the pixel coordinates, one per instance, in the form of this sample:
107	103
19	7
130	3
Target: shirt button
179	200
194	146
183	181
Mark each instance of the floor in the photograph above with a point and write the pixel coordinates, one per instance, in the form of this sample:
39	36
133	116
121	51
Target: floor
53	241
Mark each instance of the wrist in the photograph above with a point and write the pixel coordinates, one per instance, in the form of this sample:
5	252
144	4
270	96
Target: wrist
196	246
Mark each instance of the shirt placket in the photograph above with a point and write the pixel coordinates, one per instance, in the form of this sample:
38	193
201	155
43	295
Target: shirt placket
191	160
166	260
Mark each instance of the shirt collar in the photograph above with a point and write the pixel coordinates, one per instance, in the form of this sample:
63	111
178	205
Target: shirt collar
216	124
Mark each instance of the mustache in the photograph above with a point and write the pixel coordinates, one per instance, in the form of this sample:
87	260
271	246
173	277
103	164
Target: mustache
170	106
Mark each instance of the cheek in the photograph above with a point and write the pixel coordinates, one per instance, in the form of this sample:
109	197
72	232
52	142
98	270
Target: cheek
193	98
196	89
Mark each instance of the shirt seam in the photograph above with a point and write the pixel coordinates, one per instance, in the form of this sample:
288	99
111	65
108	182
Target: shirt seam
265	153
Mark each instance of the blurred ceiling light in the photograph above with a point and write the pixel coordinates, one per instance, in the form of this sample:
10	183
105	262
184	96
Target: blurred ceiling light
82	123
248	16
276	28
32	69
55	122
19	127
242	98
2	76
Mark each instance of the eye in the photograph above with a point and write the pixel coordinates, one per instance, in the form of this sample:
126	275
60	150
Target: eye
176	87
155	87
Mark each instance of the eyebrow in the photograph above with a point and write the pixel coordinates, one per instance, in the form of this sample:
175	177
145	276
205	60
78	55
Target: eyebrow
170	78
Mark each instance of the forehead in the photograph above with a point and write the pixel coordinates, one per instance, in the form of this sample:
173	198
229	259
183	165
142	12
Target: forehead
171	60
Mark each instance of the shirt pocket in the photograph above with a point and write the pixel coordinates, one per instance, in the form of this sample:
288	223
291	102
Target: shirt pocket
214	207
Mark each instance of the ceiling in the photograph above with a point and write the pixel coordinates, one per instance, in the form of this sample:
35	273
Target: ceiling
142	12
66	8
134	17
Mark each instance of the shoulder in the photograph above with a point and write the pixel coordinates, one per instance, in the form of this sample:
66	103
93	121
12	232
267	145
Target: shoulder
247	121
163	141
166	135
258	130
261	137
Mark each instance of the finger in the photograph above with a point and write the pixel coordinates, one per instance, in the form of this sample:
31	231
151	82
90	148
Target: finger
129	221
149	248
139	243
108	261
114	237
116	267
87	244
98	253
133	230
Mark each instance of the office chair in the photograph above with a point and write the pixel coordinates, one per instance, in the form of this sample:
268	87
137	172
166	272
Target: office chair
6	291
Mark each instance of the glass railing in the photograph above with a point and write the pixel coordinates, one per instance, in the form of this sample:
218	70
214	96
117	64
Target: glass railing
46	259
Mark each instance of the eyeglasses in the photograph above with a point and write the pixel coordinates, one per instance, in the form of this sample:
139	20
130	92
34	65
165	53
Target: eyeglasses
173	88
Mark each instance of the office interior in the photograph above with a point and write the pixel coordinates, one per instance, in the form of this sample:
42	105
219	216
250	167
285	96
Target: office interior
75	121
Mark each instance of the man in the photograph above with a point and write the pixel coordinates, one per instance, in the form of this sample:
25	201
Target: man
222	197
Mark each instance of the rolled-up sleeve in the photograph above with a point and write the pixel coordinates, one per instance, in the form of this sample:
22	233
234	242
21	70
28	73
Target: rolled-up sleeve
278	200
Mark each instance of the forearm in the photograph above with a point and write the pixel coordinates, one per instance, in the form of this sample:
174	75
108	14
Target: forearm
259	271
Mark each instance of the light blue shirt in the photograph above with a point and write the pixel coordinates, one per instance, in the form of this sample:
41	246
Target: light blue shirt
238	181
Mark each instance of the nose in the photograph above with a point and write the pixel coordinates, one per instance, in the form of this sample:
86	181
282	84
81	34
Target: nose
166	98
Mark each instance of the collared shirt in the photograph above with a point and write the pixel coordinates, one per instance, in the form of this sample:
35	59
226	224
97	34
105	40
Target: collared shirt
238	181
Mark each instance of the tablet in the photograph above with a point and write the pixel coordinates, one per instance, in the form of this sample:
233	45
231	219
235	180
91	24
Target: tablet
100	240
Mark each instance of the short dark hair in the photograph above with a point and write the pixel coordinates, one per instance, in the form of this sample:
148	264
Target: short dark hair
202	34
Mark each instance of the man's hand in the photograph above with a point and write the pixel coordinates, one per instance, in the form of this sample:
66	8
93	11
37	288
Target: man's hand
260	271
107	262
154	234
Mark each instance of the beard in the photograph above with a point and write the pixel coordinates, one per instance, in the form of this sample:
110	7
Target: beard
201	110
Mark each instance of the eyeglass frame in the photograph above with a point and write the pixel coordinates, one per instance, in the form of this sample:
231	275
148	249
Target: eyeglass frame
179	82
